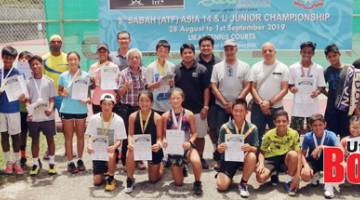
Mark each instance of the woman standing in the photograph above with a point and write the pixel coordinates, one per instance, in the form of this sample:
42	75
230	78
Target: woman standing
73	112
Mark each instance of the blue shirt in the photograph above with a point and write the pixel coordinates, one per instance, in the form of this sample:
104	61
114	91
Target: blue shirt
308	143
69	105
5	105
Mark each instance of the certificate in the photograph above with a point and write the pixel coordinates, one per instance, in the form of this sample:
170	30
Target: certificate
305	87
142	147
37	110
109	78
233	151
15	87
100	145
175	140
80	89
165	79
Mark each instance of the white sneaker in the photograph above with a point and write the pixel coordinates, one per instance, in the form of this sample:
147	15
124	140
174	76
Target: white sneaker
244	192
329	191
315	181
129	185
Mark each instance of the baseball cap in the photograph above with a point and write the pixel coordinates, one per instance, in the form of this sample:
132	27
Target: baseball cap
102	46
54	37
107	97
230	42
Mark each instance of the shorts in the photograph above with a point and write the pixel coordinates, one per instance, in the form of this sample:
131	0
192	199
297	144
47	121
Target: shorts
58	101
24	123
48	128
201	126
65	116
100	167
229	168
178	160
10	123
276	163
316	165
297	123
157	157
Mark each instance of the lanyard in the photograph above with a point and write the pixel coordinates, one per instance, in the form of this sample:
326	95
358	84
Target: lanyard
322	139
73	78
38	87
143	127
237	129
308	74
177	123
3	74
104	130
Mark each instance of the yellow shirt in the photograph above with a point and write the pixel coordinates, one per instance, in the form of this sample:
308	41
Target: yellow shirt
274	145
54	66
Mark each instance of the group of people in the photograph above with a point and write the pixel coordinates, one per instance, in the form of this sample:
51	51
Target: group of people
202	94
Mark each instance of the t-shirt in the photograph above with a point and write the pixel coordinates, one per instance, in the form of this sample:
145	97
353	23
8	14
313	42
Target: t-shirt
193	81
161	94
69	105
116	128
311	76
270	85
274	145
335	78
209	66
230	79
54	66
95	72
5	105
119	60
46	87
308	142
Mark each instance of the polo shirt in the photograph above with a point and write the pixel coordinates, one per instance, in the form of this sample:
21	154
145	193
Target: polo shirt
119	60
193	81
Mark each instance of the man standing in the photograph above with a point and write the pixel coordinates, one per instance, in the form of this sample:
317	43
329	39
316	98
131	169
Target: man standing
228	82
269	84
193	79
208	59
119	57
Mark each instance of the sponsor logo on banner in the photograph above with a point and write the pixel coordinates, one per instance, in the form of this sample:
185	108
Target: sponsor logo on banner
309	4
145	4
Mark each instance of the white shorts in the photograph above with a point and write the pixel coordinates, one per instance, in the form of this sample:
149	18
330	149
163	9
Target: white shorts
10	123
201	126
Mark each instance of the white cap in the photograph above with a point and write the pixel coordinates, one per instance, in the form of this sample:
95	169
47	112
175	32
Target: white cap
107	97
230	42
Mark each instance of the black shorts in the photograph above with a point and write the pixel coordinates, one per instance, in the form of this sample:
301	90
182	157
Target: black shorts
157	157
276	163
48	128
316	165
178	160
24	123
229	168
100	167
67	116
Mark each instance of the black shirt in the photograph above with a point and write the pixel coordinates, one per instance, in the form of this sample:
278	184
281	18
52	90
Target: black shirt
209	66
150	129
193	81
335	78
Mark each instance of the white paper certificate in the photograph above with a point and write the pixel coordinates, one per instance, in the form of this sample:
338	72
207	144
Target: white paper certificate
175	140
37	110
305	88
80	89
233	151
100	145
14	88
142	147
109	78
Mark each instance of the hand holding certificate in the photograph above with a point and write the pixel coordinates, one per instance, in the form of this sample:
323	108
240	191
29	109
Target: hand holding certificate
100	145
233	151
175	140
305	89
80	89
109	78
14	87
142	147
37	110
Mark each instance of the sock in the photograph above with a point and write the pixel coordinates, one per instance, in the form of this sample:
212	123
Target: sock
7	156
71	161
288	178
36	161
51	159
17	158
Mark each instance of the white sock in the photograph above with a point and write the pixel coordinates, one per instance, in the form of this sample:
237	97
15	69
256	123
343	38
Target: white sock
17	157
51	159
36	161
7	156
71	161
288	178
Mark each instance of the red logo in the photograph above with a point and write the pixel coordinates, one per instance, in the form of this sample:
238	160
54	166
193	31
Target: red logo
309	4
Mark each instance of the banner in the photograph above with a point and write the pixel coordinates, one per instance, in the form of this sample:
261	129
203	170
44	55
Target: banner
286	23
